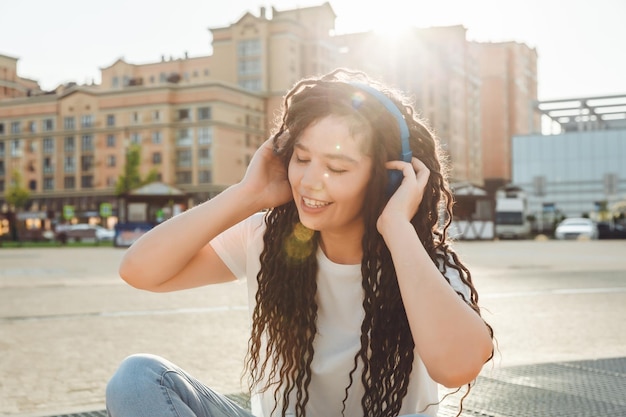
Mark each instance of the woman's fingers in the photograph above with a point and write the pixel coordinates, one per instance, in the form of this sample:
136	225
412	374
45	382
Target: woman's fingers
416	168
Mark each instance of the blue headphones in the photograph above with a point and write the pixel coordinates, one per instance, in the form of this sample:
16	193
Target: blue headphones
395	176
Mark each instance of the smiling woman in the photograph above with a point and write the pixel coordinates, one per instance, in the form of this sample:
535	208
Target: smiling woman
358	303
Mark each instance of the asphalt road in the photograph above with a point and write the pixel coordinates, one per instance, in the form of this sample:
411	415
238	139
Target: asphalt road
67	320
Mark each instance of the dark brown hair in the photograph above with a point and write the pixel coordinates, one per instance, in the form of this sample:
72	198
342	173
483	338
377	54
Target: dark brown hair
284	318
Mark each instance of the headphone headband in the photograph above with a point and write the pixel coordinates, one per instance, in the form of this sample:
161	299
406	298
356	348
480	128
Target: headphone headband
406	153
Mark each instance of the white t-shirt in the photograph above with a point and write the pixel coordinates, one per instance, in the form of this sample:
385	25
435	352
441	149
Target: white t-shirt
339	318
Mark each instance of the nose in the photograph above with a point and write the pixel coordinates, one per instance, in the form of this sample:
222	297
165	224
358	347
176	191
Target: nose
313	177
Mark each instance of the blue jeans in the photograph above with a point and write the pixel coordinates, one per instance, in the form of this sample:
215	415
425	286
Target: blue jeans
150	386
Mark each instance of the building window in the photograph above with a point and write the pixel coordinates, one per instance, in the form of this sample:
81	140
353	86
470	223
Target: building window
69	183
48	125
2	169
135	138
248	67
86	162
87	143
204	157
1	148
184	137
48	168
15	127
86	120
110	141
205	135
16	147
157	137
204	113
134	118
86	181
48	183
48	145
156	115
204	176
32	127
183	177
32	185
68	144
249	47
111	160
110	120
115	82
156	158
68	123
183	158
1	185
251	85
184	115
1	128
69	164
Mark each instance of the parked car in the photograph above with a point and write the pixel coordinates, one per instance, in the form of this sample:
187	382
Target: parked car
84	231
608	230
576	228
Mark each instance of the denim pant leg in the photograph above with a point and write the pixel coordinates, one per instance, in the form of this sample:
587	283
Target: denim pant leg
150	386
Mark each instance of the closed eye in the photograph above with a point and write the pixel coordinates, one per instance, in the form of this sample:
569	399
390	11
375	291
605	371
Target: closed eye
337	171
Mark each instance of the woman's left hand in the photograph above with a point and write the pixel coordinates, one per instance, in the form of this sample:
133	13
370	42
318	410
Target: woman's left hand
405	201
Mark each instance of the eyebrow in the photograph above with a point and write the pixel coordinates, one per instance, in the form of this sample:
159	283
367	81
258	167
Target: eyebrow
333	156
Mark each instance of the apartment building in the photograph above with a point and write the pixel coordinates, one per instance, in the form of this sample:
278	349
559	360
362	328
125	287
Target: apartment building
11	84
199	120
508	76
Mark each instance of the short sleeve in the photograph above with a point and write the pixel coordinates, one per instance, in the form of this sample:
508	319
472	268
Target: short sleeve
235	245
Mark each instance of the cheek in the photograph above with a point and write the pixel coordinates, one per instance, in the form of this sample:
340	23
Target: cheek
292	173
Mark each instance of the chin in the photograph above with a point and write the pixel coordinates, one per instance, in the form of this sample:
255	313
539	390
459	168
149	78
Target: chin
309	224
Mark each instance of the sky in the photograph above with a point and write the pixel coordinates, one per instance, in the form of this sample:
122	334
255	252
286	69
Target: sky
580	43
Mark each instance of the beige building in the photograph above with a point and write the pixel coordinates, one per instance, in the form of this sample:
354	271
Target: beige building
508	74
199	120
11	84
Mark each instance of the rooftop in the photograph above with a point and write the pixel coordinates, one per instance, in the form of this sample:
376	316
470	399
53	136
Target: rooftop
586	113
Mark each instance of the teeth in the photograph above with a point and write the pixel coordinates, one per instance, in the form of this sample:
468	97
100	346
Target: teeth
314	203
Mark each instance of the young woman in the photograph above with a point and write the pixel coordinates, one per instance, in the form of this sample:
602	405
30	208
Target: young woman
359	306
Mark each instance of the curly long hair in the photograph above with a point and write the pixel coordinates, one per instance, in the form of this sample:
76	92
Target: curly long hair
284	317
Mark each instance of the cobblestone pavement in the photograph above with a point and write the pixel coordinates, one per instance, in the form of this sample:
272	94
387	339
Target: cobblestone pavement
67	320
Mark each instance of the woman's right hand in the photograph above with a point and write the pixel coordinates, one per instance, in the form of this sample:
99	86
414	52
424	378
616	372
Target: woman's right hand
266	177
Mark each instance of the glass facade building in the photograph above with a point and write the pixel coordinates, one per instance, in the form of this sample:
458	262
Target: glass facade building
572	173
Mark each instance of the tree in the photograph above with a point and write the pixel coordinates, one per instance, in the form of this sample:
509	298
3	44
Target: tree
131	177
16	195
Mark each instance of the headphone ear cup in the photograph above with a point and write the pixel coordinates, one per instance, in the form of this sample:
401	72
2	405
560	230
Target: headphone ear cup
393	181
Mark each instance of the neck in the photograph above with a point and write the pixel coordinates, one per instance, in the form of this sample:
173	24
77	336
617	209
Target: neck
342	249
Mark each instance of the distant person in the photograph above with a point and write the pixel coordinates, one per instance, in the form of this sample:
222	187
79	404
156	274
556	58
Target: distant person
359	305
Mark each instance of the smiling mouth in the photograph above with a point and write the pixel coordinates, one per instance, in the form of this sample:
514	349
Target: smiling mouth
314	203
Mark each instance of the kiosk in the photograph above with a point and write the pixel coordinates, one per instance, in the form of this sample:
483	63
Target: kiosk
143	208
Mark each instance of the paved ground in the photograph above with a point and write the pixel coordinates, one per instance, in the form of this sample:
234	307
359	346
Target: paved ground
67	320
